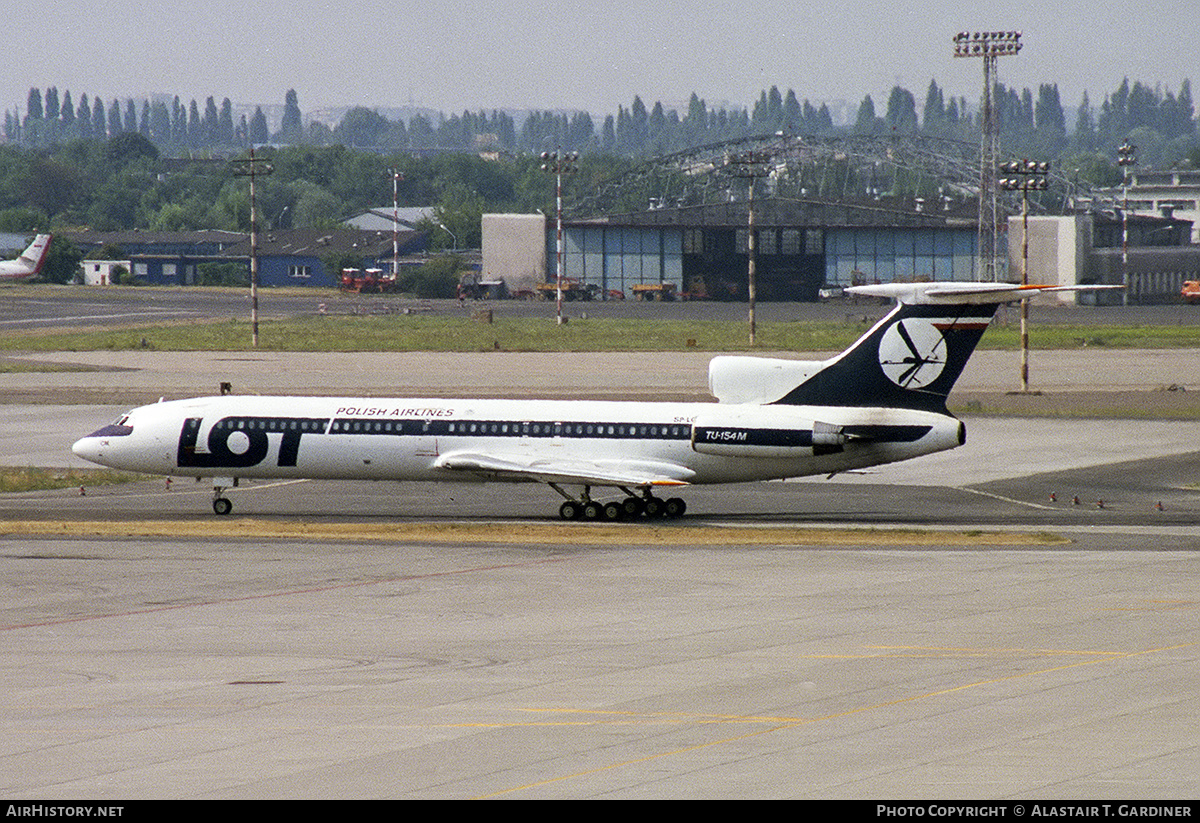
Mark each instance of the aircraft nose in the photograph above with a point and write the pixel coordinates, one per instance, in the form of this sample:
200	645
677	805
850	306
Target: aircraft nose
88	448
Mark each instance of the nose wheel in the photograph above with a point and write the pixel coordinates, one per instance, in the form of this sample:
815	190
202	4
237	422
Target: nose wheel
222	504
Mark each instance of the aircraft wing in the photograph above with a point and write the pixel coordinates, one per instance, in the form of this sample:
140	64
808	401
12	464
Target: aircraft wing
568	470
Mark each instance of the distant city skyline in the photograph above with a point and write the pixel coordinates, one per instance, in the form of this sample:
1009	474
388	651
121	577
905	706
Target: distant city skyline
451	57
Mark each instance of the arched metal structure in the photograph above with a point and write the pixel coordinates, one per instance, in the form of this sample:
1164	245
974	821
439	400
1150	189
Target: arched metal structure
904	173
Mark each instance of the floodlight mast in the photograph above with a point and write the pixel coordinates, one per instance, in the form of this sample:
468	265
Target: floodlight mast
751	165
253	167
397	176
988	45
559	163
1126	157
1024	176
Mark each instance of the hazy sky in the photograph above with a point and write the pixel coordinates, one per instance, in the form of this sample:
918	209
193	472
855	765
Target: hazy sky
487	54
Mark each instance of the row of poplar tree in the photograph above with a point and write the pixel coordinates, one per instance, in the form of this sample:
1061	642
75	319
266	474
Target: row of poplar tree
1029	122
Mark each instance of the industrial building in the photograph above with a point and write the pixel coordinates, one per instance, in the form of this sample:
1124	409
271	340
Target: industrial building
801	247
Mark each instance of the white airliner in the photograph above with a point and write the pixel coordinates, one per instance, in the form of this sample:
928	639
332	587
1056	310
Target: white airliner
29	263
880	401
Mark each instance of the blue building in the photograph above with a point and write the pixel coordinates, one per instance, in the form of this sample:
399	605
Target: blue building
159	257
295	257
300	257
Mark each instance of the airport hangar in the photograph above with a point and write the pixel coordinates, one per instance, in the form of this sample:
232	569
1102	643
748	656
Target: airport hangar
804	247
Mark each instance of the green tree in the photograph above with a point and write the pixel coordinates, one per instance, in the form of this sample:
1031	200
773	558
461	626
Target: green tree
866	121
128	148
62	261
362	128
50	186
436	279
259	133
901	117
291	131
314	207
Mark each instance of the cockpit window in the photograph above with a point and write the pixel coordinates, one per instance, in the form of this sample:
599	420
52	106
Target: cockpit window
118	428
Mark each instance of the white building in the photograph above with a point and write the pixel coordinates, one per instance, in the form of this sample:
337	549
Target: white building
1171	193
103	272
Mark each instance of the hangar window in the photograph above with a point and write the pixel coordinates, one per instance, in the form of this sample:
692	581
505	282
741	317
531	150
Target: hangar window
789	241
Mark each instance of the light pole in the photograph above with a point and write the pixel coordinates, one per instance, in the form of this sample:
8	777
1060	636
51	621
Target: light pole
1126	157
1025	176
396	178
988	45
453	236
751	165
253	167
559	163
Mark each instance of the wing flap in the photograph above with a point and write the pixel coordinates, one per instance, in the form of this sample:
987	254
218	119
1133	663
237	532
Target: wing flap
573	471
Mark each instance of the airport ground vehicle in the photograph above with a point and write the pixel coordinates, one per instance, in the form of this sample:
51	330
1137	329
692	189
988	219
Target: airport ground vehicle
572	290
660	292
368	281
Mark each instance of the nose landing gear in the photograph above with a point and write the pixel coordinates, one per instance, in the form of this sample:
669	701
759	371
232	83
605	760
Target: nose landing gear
221	504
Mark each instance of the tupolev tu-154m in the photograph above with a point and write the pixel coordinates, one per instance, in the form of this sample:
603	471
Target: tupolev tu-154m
880	401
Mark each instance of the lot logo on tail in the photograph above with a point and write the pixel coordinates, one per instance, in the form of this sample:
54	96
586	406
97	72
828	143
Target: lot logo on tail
912	352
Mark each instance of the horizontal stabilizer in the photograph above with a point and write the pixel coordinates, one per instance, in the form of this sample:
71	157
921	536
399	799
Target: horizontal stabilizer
958	293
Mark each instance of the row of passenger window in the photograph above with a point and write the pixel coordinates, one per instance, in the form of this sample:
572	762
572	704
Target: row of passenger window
508	428
443	428
270	424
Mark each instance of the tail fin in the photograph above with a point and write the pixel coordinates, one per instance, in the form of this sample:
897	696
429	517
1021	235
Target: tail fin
913	356
35	255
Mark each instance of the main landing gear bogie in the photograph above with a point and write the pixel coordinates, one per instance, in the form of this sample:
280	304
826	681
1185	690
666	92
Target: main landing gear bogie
630	508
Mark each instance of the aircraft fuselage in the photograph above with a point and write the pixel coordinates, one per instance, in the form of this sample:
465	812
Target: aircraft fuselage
420	439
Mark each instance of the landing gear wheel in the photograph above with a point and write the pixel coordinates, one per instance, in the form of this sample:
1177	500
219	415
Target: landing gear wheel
674	507
613	512
222	506
632	506
570	510
653	507
592	511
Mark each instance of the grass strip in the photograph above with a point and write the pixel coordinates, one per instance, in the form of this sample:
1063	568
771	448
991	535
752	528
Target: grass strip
29	479
456	334
524	533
